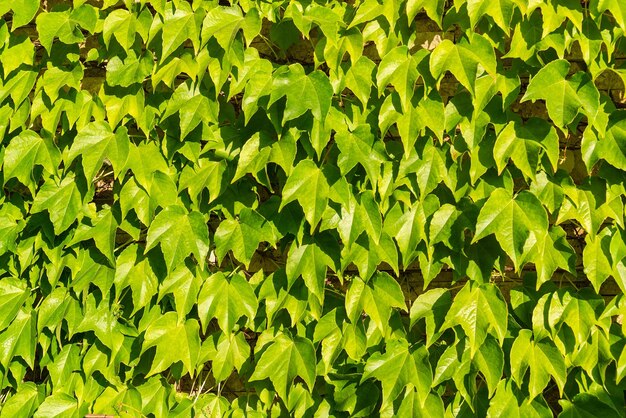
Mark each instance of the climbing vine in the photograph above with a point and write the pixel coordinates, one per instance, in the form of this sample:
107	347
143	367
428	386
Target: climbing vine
312	208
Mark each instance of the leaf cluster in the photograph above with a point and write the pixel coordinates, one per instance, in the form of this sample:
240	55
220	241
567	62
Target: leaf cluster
217	208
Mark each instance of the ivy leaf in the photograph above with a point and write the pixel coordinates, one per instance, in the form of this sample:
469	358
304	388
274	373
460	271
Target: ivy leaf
26	151
433	306
243	236
62	200
24	402
17	55
223	23
23	12
617	9
479	309
552	251
192	107
399	366
308	185
311	262
411	405
565	98
179	24
15	292
516	223
185	286
122	25
611	148
463	59
283	360
543	360
205	175
226	351
130	71
501	11
18	340
377	298
596	262
359	147
399	68
523	143
360	78
57	405
174	342
227	299
434	9
102	231
179	233
253	156
490	361
59	25
304	92
97	142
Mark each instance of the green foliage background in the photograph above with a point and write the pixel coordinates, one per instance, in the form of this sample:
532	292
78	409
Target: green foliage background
211	209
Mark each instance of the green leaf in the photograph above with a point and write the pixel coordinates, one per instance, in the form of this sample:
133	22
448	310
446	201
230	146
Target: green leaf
227	351
14	293
463	60
62	200
433	306
304	92
480	310
61	25
564	97
185	286
596	261
434	9
23	12
360	78
411	405
377	298
399	366
122	25
399	68
543	360
311	262
222	23
17	55
192	107
179	24
96	143
308	185
24	402
283	360
243	236
174	341
551	252
359	147
501	11
18	340
179	234
523	143
227	299
57	405
102	231
130	71
26	151
617	10
516	222
489	360
611	148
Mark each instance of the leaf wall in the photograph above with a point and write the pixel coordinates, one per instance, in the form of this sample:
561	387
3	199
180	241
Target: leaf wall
312	208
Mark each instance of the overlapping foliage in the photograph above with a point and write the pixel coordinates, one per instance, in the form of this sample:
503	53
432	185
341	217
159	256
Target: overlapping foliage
209	209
